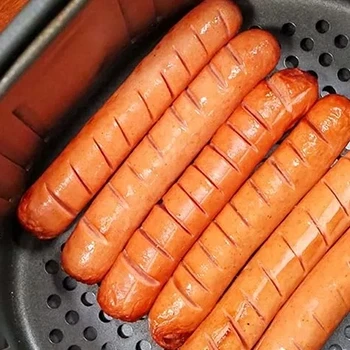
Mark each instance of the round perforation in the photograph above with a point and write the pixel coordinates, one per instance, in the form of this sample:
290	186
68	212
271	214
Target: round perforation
335	347
291	62
72	317
307	44
88	298
69	283
344	74
341	41
54	301
56	336
325	59
52	267
74	347
288	29
322	26
90	333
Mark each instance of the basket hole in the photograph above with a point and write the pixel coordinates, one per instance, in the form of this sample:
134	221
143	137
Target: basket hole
52	267
56	336
108	346
104	317
335	347
62	246
291	62
328	90
69	283
125	331
88	298
72	317
255	27
307	44
322	26
341	41
54	301
326	59
143	345
313	73
344	74
288	29
90	333
74	347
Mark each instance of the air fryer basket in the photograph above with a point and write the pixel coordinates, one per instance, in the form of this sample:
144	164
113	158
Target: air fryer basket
41	307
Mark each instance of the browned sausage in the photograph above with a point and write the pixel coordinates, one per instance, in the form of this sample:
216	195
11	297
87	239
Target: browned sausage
317	307
165	152
79	172
202	191
249	218
280	265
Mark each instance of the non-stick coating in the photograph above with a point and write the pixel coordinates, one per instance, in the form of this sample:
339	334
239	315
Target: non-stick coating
44	309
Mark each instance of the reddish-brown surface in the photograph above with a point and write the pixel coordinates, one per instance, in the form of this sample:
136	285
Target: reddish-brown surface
8	10
202	191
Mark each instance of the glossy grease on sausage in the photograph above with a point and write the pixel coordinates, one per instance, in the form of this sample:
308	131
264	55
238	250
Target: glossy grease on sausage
79	172
248	219
164	153
316	308
205	187
276	270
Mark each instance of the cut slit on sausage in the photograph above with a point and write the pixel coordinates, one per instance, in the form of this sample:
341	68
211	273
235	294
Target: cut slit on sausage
317	132
294	253
217	75
274	89
336	197
281	173
171	92
209	255
199	40
244	220
104	156
127	141
139	272
242	136
88	190
236	57
134	171
193	276
216	149
253	306
319	322
194	165
182	293
271	279
228	237
182	122
94	230
235	329
155	244
165	209
153	144
255	115
198	205
182	61
321	233
259	192
116	193
193	99
297	152
63	205
151	116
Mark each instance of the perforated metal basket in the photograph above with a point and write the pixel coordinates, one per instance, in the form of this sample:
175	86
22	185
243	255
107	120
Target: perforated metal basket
43	308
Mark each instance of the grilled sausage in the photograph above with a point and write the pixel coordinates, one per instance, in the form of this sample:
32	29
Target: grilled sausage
248	219
164	153
317	306
80	171
202	191
280	265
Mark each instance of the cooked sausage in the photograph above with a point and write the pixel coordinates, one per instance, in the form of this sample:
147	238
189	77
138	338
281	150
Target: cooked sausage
79	172
276	270
164	153
317	307
202	191
248	219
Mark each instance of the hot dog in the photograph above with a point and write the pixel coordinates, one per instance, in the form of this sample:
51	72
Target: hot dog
248	219
276	270
80	171
316	308
202	191
164	153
